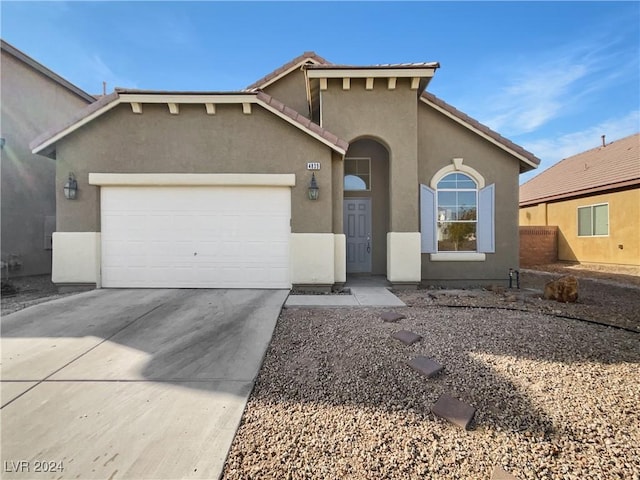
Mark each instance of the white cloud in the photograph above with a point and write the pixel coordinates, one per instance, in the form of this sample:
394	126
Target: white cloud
557	85
98	71
552	150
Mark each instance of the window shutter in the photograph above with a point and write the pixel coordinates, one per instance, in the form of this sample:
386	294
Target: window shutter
428	219
486	220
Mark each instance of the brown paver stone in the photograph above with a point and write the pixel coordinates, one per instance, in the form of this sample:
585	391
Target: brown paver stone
391	316
407	337
453	410
500	474
426	366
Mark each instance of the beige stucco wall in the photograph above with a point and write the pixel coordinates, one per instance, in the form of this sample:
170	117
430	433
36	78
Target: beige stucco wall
313	259
440	139
624	228
31	103
292	91
388	116
533	215
192	142
76	258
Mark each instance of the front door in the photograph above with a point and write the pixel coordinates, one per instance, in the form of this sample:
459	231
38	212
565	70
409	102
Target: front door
357	228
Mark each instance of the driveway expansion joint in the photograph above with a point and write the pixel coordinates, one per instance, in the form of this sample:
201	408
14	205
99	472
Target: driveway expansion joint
77	357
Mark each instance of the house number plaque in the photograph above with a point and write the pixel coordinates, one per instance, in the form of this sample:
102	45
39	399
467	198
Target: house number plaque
313	166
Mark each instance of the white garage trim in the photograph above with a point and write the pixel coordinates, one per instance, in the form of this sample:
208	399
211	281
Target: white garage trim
201	179
207	236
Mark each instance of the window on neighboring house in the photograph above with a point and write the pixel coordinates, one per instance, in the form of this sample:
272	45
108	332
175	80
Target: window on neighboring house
457	215
357	174
593	220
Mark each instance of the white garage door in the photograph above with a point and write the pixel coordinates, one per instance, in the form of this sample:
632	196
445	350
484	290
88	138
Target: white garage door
196	237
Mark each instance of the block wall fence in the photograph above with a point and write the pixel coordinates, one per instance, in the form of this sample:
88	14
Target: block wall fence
538	245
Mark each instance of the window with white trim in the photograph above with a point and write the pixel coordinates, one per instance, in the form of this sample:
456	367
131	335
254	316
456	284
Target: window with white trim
457	199
457	214
593	220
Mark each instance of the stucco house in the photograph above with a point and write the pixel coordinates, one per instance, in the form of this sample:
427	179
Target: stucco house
312	173
32	100
594	200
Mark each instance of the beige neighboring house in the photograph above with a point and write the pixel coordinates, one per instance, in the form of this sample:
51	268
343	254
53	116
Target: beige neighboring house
32	100
314	172
594	200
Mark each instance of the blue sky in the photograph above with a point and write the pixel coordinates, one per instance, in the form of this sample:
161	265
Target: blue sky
551	76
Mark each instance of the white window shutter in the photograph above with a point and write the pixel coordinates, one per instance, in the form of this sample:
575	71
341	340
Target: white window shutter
428	219
486	220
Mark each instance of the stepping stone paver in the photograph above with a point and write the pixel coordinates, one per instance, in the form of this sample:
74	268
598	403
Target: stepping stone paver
426	366
391	316
453	410
407	337
500	474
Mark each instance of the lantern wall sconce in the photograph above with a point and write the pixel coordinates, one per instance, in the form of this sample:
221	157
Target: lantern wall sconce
313	188
71	187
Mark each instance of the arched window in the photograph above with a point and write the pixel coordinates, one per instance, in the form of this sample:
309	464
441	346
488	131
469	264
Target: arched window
457	214
353	182
457	207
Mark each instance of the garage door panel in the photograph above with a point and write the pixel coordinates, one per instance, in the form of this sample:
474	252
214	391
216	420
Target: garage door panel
209	237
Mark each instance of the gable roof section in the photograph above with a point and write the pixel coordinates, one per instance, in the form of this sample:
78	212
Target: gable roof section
26	59
287	68
603	168
45	143
528	161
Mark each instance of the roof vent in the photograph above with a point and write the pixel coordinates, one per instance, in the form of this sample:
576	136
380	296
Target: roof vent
604	144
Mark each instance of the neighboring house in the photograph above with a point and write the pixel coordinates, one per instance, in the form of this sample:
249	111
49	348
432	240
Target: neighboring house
218	189
594	200
33	99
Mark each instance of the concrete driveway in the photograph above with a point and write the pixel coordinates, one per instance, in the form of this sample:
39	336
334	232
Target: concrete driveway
130	384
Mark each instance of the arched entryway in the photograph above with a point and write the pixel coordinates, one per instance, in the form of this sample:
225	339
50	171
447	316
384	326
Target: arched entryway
366	206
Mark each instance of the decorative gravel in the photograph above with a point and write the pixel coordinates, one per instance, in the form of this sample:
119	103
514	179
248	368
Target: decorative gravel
555	398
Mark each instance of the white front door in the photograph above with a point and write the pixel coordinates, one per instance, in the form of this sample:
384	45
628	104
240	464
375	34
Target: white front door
357	228
196	237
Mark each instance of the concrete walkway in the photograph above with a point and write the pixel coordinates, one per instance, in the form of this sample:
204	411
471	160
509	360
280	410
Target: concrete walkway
369	291
130	384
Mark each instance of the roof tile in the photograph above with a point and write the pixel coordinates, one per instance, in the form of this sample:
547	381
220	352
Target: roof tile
598	169
80	114
310	56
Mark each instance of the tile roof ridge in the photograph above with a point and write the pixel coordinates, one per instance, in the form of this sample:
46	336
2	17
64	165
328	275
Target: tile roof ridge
308	55
480	126
302	120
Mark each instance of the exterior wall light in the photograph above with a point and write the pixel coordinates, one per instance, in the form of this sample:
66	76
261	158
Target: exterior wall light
313	188
71	187
2	142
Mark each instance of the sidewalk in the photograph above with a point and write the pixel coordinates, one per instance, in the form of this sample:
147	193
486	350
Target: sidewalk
365	292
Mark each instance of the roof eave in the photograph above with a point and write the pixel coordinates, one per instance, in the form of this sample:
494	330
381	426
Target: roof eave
367	72
45	143
580	193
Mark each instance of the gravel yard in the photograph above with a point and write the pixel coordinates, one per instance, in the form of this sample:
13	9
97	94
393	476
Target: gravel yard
555	397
